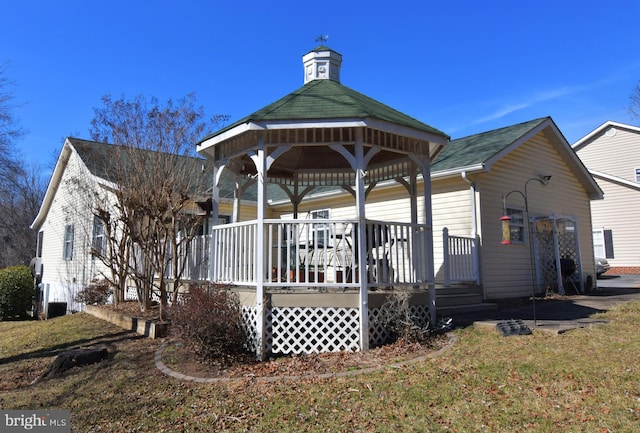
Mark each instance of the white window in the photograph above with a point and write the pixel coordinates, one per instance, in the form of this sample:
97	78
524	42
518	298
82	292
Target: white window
39	245
603	243
68	242
517	225
321	231
638	175
99	239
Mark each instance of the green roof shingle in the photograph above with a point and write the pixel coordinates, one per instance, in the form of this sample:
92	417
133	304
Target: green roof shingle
328	99
479	148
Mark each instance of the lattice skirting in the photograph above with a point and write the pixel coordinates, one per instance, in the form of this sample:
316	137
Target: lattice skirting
305	330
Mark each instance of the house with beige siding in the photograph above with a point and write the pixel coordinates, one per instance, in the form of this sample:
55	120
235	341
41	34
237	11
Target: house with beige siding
474	181
611	152
530	173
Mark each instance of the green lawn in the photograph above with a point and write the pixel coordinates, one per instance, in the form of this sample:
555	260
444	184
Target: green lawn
586	380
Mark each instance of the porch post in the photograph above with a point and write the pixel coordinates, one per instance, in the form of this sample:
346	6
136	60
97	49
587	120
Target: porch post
261	165
362	240
424	165
215	203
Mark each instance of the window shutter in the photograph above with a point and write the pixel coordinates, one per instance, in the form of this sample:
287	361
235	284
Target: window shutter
608	244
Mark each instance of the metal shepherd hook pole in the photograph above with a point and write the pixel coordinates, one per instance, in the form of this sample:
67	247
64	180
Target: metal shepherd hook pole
506	237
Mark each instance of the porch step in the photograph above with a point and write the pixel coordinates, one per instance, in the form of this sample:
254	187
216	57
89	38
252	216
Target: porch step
451	299
458	295
458	289
460	298
453	310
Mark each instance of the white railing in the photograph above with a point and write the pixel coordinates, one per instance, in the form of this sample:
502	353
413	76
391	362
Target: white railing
461	262
321	252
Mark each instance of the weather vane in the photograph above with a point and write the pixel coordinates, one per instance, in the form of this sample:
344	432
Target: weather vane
322	38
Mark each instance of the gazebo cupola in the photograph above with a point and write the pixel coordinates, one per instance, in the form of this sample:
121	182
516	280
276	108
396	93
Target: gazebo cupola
322	63
324	134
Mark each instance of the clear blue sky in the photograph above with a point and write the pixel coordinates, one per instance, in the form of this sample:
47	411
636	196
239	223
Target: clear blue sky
460	66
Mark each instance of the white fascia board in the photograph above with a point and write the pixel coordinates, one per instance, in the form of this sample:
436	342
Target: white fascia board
323	123
455	172
239	129
581	142
103	182
52	187
615	179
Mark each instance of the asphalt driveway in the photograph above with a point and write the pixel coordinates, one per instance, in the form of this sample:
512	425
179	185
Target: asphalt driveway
560	313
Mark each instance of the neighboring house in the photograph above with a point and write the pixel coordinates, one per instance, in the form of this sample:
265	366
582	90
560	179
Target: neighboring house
611	152
67	229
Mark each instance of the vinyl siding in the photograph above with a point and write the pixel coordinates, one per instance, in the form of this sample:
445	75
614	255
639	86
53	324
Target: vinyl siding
618	155
620	213
506	268
389	203
451	205
65	278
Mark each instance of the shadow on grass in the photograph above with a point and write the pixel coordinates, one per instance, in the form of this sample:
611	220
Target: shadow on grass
54	350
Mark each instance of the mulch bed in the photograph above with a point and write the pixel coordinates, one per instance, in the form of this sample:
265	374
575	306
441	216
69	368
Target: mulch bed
179	358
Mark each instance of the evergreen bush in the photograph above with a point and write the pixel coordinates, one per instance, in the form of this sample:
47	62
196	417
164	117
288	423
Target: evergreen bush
16	292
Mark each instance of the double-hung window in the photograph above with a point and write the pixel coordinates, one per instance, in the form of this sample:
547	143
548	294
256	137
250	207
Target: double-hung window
321	231
99	239
638	175
517	225
68	242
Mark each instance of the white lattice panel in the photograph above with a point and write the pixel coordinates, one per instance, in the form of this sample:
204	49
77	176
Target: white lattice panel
305	330
249	320
314	330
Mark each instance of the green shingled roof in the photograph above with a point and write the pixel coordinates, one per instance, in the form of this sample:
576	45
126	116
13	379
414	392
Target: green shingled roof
328	99
477	149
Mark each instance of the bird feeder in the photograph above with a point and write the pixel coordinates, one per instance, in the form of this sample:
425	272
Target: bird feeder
506	229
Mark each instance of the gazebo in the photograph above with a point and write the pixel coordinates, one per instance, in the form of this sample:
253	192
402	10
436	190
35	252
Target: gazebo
315	284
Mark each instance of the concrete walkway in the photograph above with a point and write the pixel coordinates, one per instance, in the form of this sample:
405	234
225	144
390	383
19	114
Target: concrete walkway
560	313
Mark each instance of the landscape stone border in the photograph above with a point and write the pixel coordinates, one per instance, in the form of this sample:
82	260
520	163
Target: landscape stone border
148	328
451	341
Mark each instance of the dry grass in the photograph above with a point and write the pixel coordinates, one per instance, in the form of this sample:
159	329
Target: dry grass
585	380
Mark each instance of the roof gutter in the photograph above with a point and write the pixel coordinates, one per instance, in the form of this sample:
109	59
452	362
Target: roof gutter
453	173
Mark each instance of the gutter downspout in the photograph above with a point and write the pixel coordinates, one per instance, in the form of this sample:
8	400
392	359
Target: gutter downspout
474	227
474	207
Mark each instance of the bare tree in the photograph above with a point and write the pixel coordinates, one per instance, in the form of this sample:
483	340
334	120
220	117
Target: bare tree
634	105
158	179
10	130
21	187
19	205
